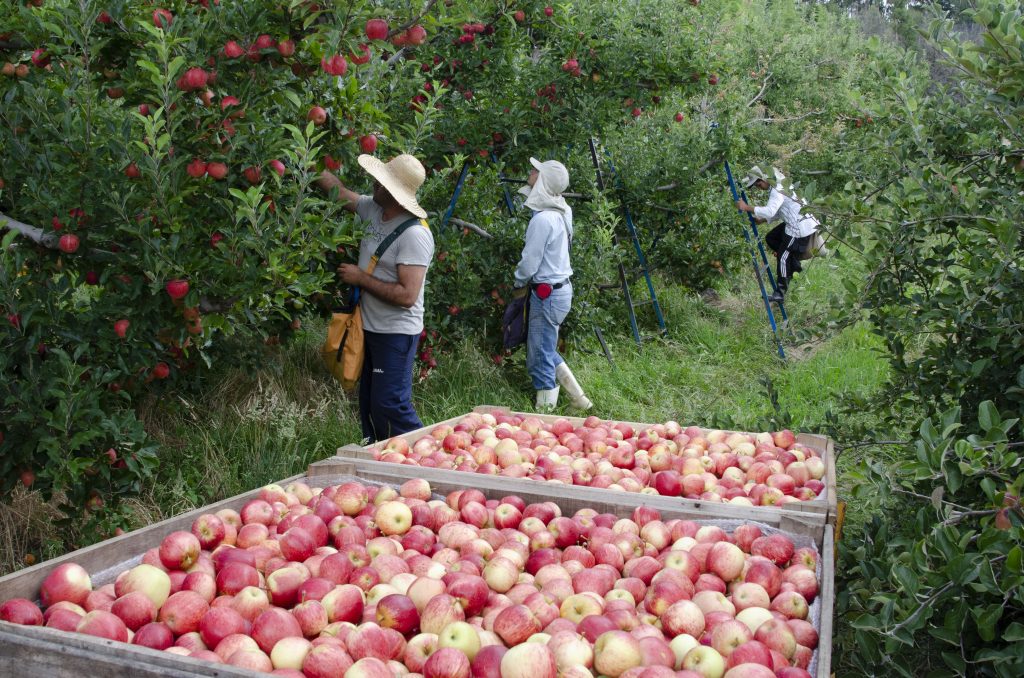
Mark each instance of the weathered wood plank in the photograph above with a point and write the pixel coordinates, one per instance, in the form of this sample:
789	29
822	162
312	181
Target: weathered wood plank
827	595
806	524
28	652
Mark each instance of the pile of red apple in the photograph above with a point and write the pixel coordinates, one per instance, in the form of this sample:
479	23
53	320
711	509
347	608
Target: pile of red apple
369	582
750	469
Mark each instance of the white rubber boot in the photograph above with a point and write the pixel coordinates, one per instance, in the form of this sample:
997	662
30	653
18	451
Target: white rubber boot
568	381
547	399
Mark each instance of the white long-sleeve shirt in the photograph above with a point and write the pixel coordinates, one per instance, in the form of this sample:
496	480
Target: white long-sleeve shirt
545	257
781	206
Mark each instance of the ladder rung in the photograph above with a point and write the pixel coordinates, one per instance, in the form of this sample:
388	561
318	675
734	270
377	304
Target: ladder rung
643	303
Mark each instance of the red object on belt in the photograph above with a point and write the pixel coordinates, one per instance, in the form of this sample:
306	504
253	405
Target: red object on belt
543	290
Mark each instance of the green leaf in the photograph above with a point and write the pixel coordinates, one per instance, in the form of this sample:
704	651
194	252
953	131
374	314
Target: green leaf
865	622
1013	560
955	662
906	578
987	620
988	416
1014	632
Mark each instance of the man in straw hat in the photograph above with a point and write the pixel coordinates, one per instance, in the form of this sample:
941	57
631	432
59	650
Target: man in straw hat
790	239
543	273
392	298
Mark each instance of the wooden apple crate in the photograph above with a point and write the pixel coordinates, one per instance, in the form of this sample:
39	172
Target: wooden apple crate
571	498
47	653
821	511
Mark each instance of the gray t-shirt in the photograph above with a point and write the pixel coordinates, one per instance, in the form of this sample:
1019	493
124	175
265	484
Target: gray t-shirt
415	247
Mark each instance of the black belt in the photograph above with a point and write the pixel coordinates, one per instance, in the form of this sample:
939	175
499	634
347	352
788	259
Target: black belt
556	286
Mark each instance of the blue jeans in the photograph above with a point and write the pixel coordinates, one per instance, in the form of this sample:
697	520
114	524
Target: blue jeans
385	387
546	316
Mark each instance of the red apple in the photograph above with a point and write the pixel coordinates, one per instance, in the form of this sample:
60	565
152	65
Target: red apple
183	611
68	581
154	635
515	624
777	548
776	635
750	652
326	661
317	115
272	625
344	603
377	29
398	612
104	625
21	611
447	662
135	609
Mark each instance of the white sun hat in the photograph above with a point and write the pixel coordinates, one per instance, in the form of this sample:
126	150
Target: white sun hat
753	174
401	176
546	193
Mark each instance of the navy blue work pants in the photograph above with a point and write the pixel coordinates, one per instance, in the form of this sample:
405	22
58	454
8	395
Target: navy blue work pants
385	387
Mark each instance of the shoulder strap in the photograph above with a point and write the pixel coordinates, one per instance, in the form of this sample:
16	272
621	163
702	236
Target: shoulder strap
392	237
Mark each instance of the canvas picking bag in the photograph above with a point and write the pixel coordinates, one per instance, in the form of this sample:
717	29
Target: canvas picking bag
344	349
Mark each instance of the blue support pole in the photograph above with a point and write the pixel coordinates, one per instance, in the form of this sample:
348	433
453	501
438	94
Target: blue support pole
509	205
753	260
455	196
639	251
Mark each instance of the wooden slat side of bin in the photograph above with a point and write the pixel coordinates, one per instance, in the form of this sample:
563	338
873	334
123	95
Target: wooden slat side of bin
98	557
410	437
445	481
827	594
27	651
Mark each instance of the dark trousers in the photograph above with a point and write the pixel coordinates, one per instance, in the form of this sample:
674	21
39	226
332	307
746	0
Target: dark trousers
788	249
385	387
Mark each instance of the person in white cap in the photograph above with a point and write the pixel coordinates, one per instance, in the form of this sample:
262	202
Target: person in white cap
392	295
544	273
790	239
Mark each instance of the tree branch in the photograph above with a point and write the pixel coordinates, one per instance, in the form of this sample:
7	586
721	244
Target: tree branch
764	88
700	170
33	233
470	226
412	22
808	114
207	305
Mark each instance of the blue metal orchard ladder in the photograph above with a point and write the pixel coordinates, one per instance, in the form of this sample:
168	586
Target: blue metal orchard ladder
644	270
753	237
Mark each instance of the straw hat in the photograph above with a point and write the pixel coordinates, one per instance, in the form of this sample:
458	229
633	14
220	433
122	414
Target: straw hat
401	176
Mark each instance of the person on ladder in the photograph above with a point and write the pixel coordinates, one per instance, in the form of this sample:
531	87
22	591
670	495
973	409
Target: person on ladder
790	239
543	272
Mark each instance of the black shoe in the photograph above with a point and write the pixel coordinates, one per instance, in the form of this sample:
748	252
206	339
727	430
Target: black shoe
776	298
